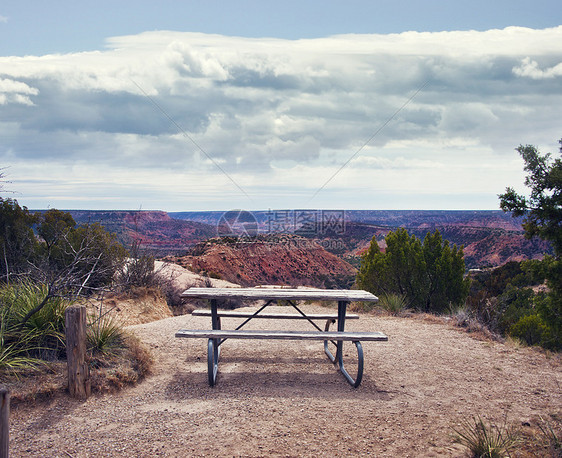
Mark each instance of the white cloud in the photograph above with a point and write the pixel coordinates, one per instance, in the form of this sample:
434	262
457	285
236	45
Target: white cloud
3	19
399	163
12	91
272	111
530	68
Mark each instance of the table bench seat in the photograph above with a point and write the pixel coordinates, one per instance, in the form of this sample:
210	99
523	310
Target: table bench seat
218	336
283	335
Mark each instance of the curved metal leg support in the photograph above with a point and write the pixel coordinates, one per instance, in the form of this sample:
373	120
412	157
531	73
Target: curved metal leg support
338	359
213	354
329	354
357	381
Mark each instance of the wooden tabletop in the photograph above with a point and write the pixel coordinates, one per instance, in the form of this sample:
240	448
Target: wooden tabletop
260	293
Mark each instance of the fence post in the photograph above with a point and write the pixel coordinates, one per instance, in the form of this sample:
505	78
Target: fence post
4	422
79	384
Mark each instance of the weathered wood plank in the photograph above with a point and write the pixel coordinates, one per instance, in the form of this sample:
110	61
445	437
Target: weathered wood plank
281	294
79	383
283	335
288	316
4	422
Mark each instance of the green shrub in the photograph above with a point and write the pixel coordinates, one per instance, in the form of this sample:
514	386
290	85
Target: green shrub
549	308
13	354
105	336
512	305
502	302
42	335
393	303
530	329
17	241
429	273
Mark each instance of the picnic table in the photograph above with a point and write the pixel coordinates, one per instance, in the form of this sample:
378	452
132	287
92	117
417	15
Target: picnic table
217	336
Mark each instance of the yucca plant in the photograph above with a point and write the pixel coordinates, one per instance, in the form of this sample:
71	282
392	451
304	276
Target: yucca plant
44	330
105	336
393	303
13	358
13	352
486	441
551	439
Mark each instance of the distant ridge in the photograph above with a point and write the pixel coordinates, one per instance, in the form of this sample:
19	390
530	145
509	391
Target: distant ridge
153	229
390	218
490	237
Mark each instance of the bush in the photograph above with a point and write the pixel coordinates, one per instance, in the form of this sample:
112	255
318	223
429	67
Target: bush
429	274
394	304
530	329
138	271
105	336
42	335
486	440
72	260
502	301
13	354
512	305
551	439
542	214
114	372
17	242
101	255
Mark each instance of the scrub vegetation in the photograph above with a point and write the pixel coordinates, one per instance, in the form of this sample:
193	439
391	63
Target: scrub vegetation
428	275
49	263
520	300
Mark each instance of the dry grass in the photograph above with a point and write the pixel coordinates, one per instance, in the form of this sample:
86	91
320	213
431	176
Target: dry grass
39	384
116	371
541	437
108	374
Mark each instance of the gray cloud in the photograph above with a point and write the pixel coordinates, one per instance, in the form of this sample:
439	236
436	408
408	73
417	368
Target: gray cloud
255	104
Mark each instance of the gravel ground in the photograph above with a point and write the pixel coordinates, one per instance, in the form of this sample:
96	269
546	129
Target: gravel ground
277	398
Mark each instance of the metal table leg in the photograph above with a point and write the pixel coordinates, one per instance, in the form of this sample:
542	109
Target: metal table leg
212	361
338	359
213	347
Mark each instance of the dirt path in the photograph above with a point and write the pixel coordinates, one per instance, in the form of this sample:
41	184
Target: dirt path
285	399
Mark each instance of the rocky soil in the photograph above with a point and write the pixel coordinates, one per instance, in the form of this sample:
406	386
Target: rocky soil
285	399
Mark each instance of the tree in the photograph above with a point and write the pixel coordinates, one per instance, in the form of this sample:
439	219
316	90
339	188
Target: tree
66	260
542	213
54	226
17	242
542	209
85	260
429	274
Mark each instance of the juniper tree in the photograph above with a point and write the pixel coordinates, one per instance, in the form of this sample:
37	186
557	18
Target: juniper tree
542	216
430	274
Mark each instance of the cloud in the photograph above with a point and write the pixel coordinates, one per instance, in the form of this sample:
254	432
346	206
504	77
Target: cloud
399	163
3	19
12	91
530	68
161	101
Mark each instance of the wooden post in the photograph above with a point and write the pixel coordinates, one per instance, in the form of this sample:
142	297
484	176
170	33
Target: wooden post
79	384
4	423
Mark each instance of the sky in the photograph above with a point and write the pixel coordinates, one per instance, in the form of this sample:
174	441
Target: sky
256	105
